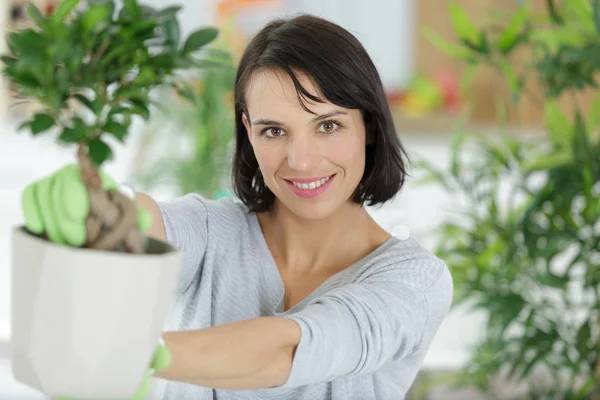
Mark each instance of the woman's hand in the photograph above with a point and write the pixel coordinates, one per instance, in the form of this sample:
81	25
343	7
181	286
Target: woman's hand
58	206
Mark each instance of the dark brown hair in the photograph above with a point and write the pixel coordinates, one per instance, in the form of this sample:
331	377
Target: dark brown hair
346	76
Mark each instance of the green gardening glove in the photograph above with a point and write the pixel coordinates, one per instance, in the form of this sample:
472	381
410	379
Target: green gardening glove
58	206
160	361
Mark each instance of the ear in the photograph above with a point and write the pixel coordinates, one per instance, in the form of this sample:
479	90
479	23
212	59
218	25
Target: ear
247	125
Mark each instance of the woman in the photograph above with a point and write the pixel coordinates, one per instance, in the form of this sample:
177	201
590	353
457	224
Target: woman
294	292
297	293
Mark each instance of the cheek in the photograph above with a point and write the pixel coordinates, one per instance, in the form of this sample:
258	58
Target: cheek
267	157
348	152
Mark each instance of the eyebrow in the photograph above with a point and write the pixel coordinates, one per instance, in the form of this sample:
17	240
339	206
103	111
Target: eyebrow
315	119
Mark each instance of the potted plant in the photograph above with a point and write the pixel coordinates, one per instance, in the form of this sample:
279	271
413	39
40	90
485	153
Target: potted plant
90	290
525	246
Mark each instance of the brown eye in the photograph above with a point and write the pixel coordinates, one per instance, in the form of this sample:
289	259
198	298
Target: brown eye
328	127
273	132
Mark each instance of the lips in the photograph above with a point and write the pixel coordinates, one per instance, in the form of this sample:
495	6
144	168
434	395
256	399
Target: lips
310	187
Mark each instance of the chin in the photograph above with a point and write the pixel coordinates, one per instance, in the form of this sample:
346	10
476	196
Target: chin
311	210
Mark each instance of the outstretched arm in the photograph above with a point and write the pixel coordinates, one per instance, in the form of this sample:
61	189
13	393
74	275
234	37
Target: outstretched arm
255	353
349	331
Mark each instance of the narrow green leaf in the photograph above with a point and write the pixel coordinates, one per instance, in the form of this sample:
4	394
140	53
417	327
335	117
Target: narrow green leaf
8	60
580	13
593	117
509	36
41	122
34	14
551	161
556	18
171	34
451	49
581	142
168	11
511	78
463	26
198	39
597	15
99	151
186	92
467	78
557	124
64	9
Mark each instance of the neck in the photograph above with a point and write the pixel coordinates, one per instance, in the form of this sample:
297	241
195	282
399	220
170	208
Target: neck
308	246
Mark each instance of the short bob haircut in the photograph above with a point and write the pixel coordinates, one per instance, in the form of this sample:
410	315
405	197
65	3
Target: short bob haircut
346	76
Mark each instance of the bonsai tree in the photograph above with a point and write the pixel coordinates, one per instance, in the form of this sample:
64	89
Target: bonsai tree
525	248
91	69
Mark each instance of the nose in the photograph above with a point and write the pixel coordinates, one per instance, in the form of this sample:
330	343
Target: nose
303	154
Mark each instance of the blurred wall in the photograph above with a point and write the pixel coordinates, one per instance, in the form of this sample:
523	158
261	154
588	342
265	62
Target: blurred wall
385	27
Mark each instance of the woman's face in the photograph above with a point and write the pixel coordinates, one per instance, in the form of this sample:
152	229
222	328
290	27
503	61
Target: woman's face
311	162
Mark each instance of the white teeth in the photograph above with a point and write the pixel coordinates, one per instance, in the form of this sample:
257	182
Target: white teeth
311	185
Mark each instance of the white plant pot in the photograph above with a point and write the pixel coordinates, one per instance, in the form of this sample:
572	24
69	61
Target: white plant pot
85	323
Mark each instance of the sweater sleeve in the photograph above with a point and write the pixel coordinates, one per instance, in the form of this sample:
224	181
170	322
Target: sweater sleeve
357	328
186	227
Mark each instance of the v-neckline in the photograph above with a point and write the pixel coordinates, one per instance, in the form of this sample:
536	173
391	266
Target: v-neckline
274	273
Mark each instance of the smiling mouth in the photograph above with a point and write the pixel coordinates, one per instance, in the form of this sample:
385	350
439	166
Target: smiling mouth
310	185
312	188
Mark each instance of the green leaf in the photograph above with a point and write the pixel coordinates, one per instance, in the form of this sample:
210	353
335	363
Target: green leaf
511	78
580	13
551	161
553	39
593	117
509	36
95	15
186	92
99	151
556	18
73	135
467	78
581	143
169	11
171	34
557	124
198	39
140	108
93	106
133	8
450	49
64	9
597	15
35	15
119	131
41	122
463	26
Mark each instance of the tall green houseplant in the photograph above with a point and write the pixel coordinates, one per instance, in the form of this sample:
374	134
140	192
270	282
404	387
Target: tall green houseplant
193	143
526	246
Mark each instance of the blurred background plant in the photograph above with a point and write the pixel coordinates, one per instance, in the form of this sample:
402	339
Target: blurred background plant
193	143
525	244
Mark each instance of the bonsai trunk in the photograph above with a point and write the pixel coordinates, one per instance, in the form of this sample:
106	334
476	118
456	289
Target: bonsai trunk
112	222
